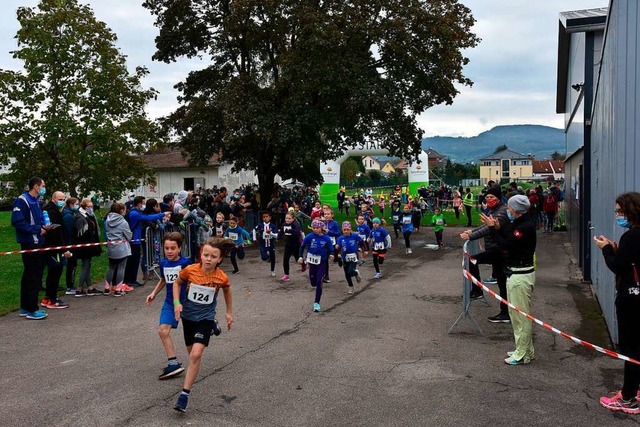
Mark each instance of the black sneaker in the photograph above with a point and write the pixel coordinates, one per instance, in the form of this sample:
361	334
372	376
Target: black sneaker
171	371
216	328
499	318
80	293
477	296
92	292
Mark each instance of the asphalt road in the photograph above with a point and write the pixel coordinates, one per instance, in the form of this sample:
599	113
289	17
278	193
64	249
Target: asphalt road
381	357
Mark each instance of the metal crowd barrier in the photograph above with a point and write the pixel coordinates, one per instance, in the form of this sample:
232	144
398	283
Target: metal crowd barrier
154	249
470	248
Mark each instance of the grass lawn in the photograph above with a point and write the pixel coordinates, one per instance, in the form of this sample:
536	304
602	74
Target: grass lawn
449	217
11	267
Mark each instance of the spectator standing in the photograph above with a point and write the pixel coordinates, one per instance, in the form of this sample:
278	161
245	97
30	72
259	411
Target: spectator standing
55	260
27	219
467	201
623	260
70	208
86	230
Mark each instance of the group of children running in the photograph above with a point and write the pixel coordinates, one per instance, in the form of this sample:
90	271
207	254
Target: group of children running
192	289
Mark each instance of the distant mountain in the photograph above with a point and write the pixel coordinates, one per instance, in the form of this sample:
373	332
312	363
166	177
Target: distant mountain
541	141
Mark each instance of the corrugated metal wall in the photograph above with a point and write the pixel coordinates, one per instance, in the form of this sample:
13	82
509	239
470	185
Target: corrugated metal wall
615	131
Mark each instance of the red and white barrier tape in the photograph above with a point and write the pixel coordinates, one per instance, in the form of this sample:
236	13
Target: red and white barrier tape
82	245
545	325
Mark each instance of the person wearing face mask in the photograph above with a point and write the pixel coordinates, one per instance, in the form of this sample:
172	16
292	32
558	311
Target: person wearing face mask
71	206
27	219
55	260
623	259
491	254
516	241
86	230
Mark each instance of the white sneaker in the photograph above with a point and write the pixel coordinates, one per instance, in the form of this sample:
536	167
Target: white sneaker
409	251
377	275
273	274
350	289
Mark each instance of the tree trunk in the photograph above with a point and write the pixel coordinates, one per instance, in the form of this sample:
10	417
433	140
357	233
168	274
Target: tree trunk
265	186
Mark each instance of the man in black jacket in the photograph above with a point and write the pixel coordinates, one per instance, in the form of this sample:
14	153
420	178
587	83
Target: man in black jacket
516	241
55	260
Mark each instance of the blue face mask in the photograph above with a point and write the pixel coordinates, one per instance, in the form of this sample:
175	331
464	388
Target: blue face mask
623	222
42	191
89	211
75	207
60	204
510	215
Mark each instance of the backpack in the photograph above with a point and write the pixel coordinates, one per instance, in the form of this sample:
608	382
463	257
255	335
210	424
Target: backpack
550	200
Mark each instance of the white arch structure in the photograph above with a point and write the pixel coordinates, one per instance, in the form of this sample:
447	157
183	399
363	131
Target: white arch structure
418	171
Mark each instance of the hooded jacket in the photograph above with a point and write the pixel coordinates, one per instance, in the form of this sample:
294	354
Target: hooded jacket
500	213
117	228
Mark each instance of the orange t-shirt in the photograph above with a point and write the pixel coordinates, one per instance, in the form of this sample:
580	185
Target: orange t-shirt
201	300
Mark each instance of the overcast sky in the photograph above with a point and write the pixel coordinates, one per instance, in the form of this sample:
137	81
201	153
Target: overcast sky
513	68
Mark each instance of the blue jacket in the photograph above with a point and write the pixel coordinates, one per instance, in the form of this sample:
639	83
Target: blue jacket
135	222
26	217
407	222
317	245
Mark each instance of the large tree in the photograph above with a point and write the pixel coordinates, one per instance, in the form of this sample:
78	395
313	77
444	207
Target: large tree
293	82
74	115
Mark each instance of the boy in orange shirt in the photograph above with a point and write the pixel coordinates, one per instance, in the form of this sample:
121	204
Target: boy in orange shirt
203	281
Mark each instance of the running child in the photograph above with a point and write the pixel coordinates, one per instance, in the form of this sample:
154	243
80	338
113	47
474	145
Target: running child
396	215
239	236
292	236
439	224
380	242
333	231
407	227
319	250
202	282
170	266
266	232
219	227
363	231
349	244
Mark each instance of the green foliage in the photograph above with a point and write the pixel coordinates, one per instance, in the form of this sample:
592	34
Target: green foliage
349	170
500	148
292	83
558	156
74	115
375	176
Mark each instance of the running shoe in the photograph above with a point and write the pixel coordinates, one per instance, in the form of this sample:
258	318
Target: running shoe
273	274
377	275
119	293
235	272
409	251
490	280
339	261
171	371
23	313
350	289
361	262
58	304
70	291
92	292
216	328
326	280
284	278
499	318
36	315
617	403
80	293
181	404
303	267
475	296
316	307
511	361
45	302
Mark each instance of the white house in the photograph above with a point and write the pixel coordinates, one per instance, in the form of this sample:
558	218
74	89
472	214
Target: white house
172	174
370	163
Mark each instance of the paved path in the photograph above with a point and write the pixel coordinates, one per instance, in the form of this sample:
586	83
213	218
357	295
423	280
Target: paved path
381	357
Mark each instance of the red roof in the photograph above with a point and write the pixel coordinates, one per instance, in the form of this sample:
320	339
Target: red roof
548	166
172	159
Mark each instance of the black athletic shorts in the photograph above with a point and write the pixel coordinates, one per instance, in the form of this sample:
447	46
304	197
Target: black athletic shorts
197	331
